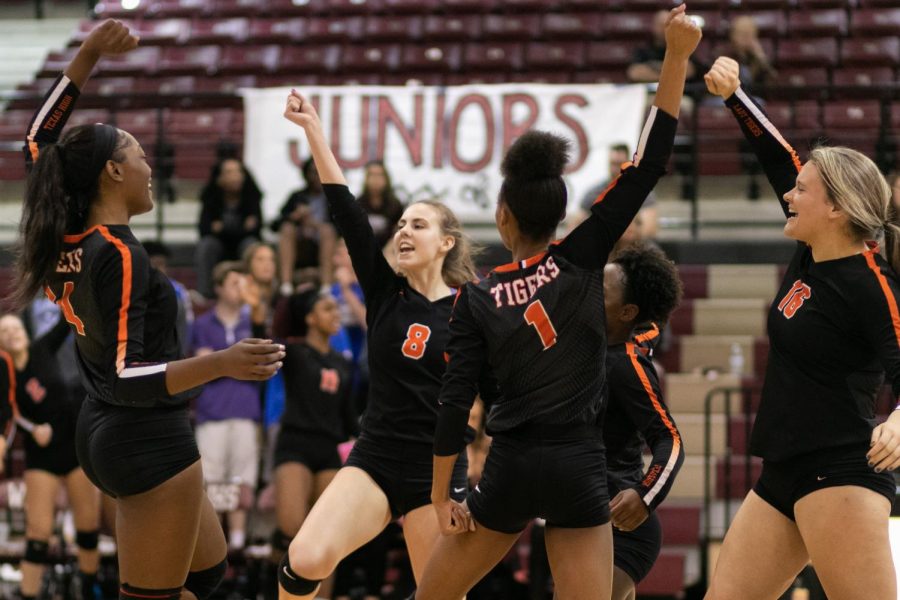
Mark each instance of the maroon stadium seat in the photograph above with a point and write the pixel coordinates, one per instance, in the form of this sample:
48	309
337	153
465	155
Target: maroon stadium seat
580	5
220	31
277	31
12	168
334	29
210	123
469	6
741	5
183	85
13	124
501	56
225	84
57	61
714	25
794	116
770	23
305	59
164	32
635	25
715	117
238	8
666	578
555	77
112	9
354	7
811	52
811	78
681	523
561	55
572	26
238	60
432	57
178	8
393	29
862	78
473	77
895	116
874	51
873	21
511	27
433	79
142	124
137	62
880	3
110	86
411	6
864	114
528	5
88	117
290	8
452	28
601	76
288	79
819	4
740	484
370	58
190	60
609	55
828	22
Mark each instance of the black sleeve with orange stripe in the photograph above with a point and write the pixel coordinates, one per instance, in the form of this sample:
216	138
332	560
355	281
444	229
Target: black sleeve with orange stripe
48	121
8	409
589	244
637	388
776	156
879	320
466	359
121	282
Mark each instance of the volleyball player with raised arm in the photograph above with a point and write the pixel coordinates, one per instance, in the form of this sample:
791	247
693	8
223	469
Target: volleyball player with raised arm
825	492
133	437
388	473
538	324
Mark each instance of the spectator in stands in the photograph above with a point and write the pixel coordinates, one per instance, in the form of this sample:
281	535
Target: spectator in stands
159	255
645	225
744	47
230	218
380	202
46	415
261	267
228	410
306	236
647	60
347	291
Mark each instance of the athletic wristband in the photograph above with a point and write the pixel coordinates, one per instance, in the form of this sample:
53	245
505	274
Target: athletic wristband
450	433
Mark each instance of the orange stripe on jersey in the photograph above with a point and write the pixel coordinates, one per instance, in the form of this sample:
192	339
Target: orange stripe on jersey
11	393
648	335
764	122
34	150
891	301
122	336
77	237
522	264
611	185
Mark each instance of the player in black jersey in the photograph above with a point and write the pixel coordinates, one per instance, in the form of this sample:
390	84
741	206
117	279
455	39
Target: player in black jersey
640	285
538	323
48	415
834	332
318	413
388	473
133	436
7	402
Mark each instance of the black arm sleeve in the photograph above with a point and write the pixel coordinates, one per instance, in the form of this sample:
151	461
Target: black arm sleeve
467	356
374	273
879	319
589	244
637	389
48	121
51	341
777	157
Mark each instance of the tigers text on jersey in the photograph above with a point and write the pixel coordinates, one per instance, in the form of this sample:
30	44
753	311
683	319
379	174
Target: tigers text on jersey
834	329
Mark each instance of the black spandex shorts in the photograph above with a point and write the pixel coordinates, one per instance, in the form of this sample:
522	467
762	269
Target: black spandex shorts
315	451
782	484
58	457
635	551
126	451
557	473
403	471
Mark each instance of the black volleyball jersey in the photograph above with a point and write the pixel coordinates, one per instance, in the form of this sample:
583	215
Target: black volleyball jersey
834	329
8	390
317	395
122	310
540	324
41	393
407	333
635	415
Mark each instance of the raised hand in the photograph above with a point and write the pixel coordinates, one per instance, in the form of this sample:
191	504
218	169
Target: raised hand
682	34
252	359
299	110
723	78
110	38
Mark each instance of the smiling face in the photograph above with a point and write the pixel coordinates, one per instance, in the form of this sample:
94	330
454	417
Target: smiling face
262	265
13	337
132	174
811	212
420	241
325	316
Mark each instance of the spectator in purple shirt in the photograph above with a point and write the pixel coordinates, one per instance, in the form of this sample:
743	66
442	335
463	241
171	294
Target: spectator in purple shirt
228	410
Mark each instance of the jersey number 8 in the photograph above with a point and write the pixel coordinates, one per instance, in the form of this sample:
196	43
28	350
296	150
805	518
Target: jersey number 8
416	339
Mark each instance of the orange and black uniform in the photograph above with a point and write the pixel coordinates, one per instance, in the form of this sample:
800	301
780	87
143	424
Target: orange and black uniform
131	434
636	415
539	325
8	408
834	332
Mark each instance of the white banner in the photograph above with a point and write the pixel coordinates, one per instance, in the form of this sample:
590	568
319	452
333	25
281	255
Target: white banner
440	142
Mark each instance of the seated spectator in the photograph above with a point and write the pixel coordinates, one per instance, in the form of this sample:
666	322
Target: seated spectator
744	47
647	220
159	255
230	218
380	202
647	60
306	236
228	410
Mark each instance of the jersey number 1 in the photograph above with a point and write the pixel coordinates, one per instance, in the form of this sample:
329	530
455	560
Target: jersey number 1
537	317
65	305
416	338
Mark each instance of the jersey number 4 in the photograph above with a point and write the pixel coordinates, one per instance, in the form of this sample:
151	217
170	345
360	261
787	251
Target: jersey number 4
537	317
65	305
416	339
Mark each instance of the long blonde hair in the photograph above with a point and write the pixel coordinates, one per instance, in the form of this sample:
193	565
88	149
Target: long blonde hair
856	186
459	264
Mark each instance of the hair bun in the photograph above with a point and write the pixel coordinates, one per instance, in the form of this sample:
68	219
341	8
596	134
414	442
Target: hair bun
536	155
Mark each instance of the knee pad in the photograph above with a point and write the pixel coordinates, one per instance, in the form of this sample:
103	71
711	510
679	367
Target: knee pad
203	583
293	583
280	540
87	540
36	551
129	592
